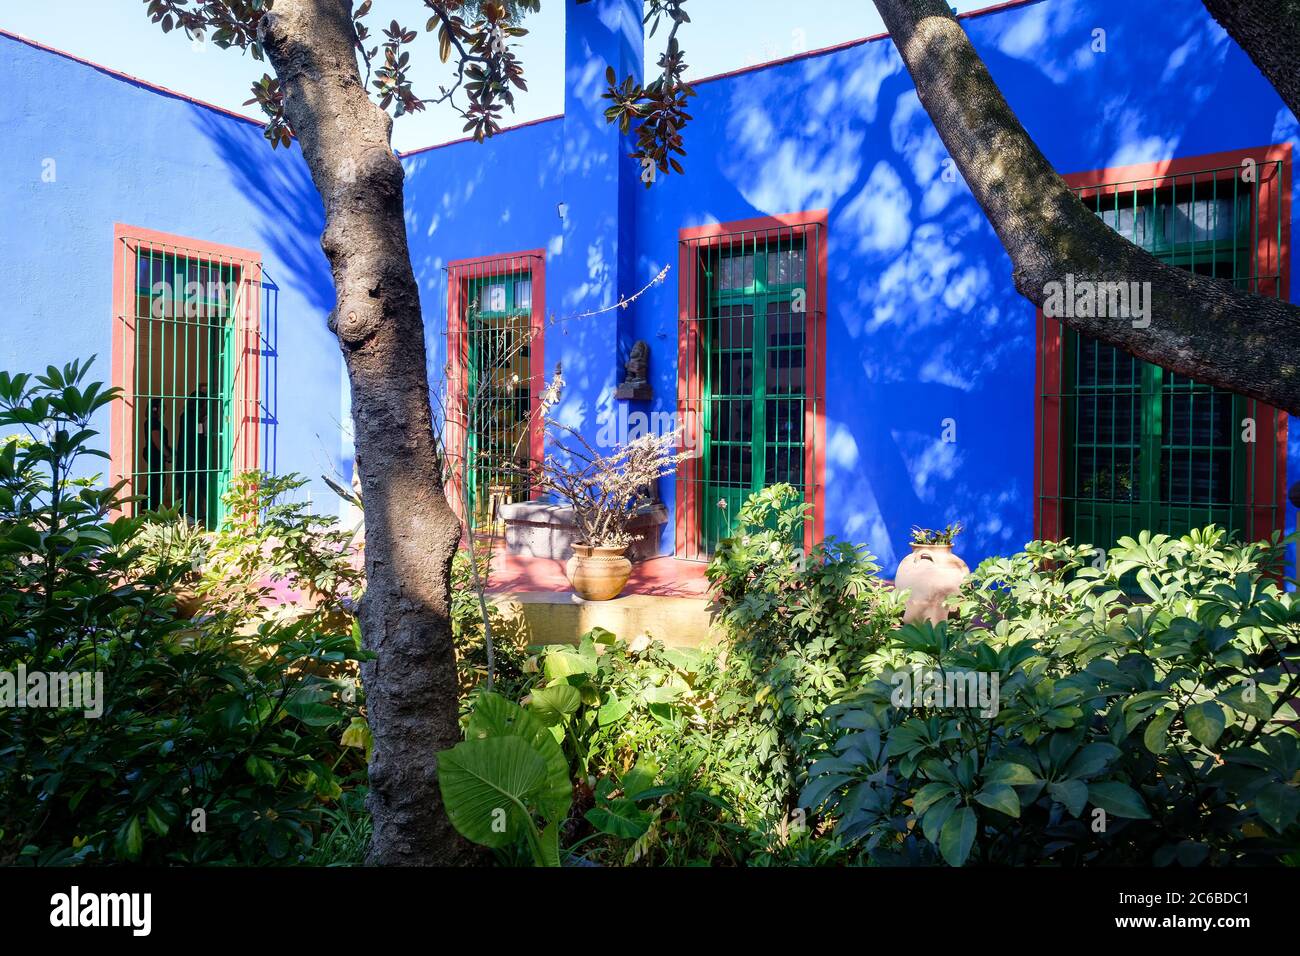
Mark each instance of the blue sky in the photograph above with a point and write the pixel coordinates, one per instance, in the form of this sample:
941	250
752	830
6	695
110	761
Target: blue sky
723	35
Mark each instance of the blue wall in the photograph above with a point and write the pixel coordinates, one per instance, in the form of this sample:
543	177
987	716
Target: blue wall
923	321
123	152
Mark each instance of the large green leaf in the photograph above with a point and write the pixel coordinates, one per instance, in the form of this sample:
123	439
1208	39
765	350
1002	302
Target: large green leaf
612	711
567	661
1013	774
1072	794
1156	736
1206	722
958	836
1000	797
553	704
1119	799
621	818
486	786
495	716
1278	804
1249	699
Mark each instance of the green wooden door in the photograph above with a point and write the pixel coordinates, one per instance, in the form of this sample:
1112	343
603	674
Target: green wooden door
754	377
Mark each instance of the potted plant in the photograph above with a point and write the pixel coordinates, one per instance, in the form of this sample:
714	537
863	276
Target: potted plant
931	573
170	546
606	491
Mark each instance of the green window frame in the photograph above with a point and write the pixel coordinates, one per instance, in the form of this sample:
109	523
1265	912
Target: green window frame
186	353
1145	448
754	381
498	392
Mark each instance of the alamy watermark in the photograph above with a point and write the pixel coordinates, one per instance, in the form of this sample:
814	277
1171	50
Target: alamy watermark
622	426
70	690
1087	298
946	689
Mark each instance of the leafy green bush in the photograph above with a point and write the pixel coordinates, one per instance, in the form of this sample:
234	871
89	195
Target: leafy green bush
205	749
798	628
608	708
1126	731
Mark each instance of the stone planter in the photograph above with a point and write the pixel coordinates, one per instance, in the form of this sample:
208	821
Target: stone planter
538	529
930	573
598	574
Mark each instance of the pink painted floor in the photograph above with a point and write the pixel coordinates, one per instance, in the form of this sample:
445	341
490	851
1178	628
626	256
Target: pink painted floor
666	577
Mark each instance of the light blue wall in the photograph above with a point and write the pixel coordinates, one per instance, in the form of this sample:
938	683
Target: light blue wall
924	323
125	153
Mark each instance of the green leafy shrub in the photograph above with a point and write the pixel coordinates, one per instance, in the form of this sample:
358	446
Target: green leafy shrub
270	535
797	631
205	749
611	702
1127	731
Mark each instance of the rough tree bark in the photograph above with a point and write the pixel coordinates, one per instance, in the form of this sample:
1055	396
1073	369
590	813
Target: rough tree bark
1269	32
411	532
1199	326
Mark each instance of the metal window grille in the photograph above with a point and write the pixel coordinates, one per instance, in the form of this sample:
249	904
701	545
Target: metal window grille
189	357
749	338
1127	445
494	351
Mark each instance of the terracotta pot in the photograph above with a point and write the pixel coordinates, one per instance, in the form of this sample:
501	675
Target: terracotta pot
188	602
930	573
598	574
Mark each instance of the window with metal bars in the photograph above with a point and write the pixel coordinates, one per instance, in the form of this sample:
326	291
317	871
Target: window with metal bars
1126	445
186	354
494	350
750	361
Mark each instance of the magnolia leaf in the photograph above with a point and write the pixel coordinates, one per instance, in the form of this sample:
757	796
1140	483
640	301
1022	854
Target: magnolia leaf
1206	722
1000	797
1118	799
958	836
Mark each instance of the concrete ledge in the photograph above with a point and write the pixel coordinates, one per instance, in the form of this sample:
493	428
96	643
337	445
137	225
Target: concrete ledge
551	618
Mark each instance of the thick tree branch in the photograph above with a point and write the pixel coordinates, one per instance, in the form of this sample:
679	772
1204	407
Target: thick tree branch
1199	326
1269	32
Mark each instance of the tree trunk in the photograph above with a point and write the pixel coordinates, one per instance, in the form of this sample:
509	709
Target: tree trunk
411	532
1269	32
1199	326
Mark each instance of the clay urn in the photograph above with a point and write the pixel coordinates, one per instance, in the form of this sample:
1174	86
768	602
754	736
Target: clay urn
930	574
598	573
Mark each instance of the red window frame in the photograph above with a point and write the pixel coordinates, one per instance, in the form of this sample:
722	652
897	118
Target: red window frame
460	273
691	241
1266	506
129	241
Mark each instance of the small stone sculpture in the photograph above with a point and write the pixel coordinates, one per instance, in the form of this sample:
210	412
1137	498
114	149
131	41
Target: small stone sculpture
636	381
